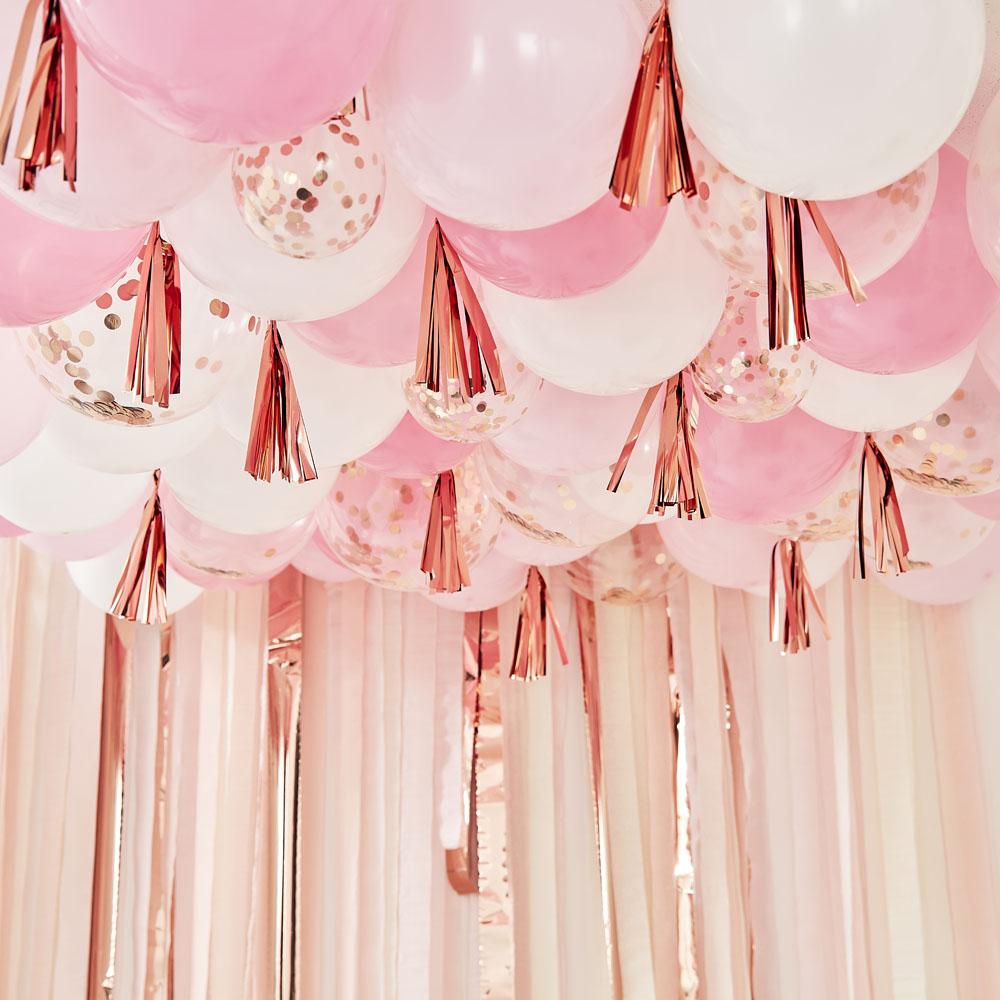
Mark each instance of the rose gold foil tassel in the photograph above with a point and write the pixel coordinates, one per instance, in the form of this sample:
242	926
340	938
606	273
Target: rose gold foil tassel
48	125
677	481
278	441
653	145
154	361
456	342
443	560
531	638
888	532
141	594
791	596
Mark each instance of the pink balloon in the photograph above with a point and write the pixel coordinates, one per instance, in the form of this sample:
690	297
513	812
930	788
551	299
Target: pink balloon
984	504
495	580
925	309
25	404
721	552
10	530
760	472
75	545
410	452
517	545
234	71
580	254
48	270
317	561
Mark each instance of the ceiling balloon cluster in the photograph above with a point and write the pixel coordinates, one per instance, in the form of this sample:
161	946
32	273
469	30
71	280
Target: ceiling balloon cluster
432	293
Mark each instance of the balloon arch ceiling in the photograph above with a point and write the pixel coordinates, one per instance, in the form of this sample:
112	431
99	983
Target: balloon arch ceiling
431	292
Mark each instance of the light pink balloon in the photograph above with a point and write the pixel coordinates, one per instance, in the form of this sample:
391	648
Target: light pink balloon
533	551
760	472
410	452
721	552
984	504
925	309
495	580
48	270
10	530
580	254
76	545
25	405
317	561
234	71
938	529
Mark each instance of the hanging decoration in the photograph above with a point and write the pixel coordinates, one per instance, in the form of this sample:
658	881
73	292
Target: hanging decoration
888	532
141	594
443	559
791	596
531	639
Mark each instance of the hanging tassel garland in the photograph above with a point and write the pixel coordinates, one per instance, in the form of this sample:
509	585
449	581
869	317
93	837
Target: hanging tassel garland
48	125
456	342
141	594
154	359
531	638
278	441
888	532
677	479
443	559
791	596
653	144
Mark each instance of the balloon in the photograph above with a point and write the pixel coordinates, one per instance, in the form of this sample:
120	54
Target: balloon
632	334
718	551
984	504
516	545
77	545
860	401
508	115
738	375
376	525
761	472
874	230
950	450
25	407
48	270
964	135
211	483
317	561
925	309
939	530
565	433
410	452
233	71
347	410
83	358
213	242
578	255
43	492
983	192
316	194
832	518
988	347
11	530
495	580
801	99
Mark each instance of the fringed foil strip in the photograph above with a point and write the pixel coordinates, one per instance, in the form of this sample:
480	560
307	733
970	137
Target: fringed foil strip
677	481
351	107
586	619
456	342
888	532
48	130
531	639
791	595
443	560
653	145
154	359
278	442
837	255
141	594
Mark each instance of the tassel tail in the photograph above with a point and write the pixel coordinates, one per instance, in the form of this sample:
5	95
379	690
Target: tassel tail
531	639
791	597
141	594
443	559
888	531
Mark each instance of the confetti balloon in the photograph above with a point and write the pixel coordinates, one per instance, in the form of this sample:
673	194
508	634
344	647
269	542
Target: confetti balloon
832	518
316	194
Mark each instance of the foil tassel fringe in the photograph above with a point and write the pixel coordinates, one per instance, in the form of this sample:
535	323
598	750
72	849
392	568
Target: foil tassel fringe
141	594
888	531
791	597
653	145
531	639
278	441
48	129
443	559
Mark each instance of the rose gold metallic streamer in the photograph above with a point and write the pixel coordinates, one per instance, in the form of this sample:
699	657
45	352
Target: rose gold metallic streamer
443	559
351	107
456	342
154	360
791	595
141	594
836	254
677	478
653	141
48	127
888	531
278	441
531	639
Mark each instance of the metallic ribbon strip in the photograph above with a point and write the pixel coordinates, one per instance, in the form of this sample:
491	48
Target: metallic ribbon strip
141	594
154	363
443	559
836	254
653	139
278	442
791	594
531	639
888	531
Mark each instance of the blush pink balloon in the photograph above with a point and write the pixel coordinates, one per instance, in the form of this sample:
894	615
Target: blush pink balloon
761	472
924	310
234	71
25	404
495	580
10	530
721	552
410	452
75	545
48	270
580	254
317	561
984	504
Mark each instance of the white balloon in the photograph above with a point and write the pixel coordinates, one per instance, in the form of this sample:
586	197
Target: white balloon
632	334
826	99
939	529
212	240
347	410
860	401
989	83
495	580
212	484
518	546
